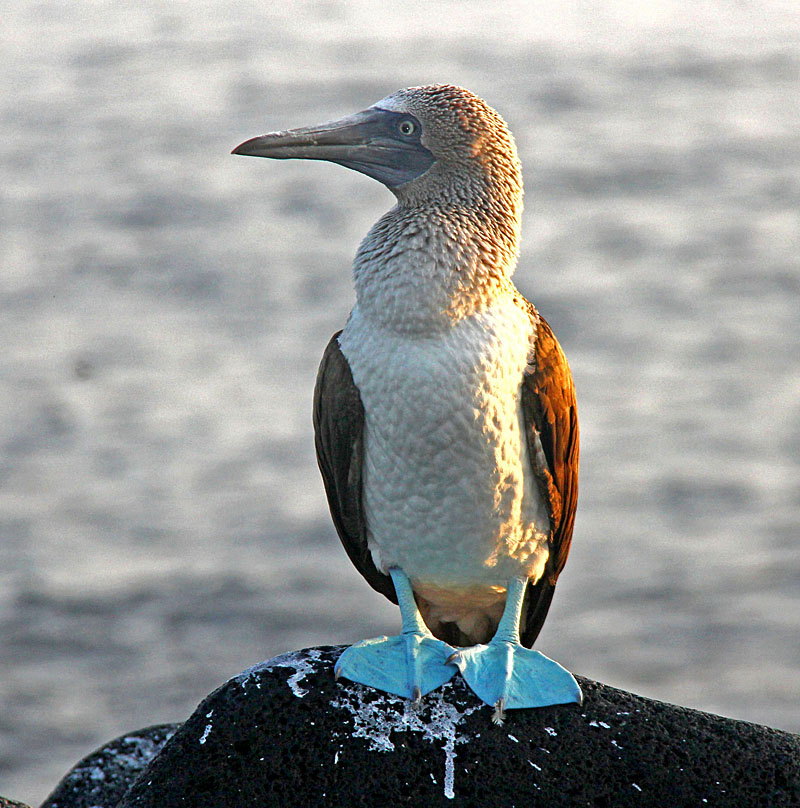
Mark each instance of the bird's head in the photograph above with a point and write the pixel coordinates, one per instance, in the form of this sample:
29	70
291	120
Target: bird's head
437	143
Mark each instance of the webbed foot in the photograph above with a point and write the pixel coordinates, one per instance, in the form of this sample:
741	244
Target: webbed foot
409	665
506	675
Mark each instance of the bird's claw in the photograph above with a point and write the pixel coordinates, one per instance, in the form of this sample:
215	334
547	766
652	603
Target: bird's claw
499	714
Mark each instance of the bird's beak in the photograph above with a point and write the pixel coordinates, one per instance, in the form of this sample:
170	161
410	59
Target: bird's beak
367	142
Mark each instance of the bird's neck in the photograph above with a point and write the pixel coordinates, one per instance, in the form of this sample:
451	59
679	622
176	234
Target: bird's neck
420	269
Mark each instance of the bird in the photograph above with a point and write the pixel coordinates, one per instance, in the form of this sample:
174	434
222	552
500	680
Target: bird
444	411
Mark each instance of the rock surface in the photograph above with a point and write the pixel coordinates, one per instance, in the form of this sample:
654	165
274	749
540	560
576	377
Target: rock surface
5	802
101	779
284	733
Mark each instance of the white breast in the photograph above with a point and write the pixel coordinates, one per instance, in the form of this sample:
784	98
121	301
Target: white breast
449	495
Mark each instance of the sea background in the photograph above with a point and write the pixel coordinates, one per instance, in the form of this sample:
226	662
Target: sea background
163	308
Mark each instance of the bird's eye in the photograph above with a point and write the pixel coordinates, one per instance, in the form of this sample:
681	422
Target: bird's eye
407	127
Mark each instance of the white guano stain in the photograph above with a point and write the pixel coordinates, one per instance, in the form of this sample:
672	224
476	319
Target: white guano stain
303	662
207	729
374	719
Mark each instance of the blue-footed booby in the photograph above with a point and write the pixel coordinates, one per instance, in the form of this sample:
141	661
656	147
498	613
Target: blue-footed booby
444	412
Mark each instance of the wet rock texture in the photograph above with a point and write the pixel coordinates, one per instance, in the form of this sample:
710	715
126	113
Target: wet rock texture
284	733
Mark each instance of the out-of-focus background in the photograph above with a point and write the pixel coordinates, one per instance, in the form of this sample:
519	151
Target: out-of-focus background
163	307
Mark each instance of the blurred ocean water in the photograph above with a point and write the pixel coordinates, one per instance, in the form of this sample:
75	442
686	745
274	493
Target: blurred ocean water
164	306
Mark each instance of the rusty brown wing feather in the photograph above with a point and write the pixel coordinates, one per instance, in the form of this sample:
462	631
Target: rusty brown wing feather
339	441
550	419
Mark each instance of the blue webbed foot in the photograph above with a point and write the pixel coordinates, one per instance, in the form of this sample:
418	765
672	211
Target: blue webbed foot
507	675
411	664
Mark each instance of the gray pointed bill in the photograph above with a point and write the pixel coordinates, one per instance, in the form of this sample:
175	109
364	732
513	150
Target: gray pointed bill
371	142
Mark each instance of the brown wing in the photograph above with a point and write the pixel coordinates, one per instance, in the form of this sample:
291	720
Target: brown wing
550	417
339	440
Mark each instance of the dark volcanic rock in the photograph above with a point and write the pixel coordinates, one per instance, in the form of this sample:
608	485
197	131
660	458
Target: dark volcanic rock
101	779
5	802
284	734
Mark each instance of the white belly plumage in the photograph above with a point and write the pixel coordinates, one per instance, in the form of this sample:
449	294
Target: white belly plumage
448	491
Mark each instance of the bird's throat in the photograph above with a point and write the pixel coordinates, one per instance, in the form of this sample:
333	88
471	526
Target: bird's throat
421	271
